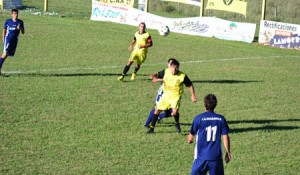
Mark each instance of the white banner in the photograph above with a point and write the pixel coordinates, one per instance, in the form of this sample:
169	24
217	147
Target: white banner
200	26
277	34
237	31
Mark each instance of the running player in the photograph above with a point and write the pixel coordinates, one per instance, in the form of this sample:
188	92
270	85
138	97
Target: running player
143	40
12	28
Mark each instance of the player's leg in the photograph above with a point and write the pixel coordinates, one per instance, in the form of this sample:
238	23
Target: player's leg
216	167
153	121
200	167
141	57
3	56
162	105
175	104
137	67
150	116
125	70
165	114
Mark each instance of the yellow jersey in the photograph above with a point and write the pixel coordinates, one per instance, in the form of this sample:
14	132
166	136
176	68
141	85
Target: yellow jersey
142	39
173	84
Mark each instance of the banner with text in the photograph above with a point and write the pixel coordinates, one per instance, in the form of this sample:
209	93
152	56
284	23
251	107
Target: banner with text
191	2
126	3
277	34
236	6
200	26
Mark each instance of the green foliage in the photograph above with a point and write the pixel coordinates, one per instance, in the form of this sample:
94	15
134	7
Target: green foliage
62	110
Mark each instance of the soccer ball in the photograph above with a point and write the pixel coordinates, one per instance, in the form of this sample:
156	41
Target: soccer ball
163	30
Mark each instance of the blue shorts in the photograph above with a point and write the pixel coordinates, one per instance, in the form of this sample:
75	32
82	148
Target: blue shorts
10	47
201	167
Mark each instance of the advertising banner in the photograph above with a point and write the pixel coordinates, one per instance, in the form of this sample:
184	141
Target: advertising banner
237	31
105	12
236	6
199	26
277	34
126	3
191	2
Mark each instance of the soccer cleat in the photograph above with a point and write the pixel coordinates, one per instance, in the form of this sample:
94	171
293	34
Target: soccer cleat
133	76
150	131
178	128
121	78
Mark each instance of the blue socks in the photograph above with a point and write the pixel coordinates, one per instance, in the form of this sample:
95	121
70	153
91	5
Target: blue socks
162	115
1	62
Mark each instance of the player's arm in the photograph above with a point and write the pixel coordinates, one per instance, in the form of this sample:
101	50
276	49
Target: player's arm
22	28
226	141
131	44
3	35
190	138
158	76
189	84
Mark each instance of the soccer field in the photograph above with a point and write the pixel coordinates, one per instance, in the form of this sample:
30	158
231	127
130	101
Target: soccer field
63	111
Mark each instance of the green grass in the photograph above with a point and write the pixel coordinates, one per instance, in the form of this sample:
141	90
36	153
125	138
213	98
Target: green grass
62	110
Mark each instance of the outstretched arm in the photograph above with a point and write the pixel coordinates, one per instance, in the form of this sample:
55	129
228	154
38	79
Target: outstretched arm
226	141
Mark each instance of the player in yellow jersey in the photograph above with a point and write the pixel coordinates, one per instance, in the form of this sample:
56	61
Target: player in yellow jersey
173	80
142	41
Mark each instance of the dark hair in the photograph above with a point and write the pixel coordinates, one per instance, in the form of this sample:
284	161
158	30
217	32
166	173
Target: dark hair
210	102
171	60
144	24
15	10
174	62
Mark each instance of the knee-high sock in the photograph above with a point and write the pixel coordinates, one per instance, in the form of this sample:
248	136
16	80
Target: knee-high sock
136	69
154	120
150	116
176	117
126	69
1	62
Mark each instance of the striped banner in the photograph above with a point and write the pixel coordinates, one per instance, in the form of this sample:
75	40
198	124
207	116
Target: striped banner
236	6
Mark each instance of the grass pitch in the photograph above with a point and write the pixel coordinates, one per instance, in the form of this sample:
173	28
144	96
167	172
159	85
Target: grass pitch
62	110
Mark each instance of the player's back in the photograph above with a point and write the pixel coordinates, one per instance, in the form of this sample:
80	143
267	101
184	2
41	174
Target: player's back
210	127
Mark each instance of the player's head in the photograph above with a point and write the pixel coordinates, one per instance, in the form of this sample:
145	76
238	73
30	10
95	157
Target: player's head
142	27
14	13
210	102
174	66
170	61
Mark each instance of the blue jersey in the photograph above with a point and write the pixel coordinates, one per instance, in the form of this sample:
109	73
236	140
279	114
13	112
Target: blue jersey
208	128
11	29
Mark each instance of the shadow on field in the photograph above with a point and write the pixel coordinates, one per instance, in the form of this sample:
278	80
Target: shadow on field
268	127
185	130
226	81
66	74
262	121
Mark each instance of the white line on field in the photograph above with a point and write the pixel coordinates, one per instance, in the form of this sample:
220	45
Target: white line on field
112	67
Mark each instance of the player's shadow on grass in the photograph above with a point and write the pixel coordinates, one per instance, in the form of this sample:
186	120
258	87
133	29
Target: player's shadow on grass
226	81
267	125
66	74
